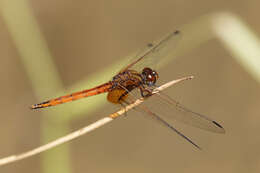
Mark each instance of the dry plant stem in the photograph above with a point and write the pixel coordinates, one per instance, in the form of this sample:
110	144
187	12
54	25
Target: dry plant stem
86	129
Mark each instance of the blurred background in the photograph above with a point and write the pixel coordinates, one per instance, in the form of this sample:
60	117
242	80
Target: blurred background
52	47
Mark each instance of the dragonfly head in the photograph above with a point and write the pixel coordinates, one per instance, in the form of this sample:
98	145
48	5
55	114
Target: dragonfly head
149	76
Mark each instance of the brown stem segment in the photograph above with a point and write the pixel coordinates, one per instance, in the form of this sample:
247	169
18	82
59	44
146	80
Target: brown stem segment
74	96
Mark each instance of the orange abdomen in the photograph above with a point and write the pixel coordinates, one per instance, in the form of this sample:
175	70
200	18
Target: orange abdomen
75	96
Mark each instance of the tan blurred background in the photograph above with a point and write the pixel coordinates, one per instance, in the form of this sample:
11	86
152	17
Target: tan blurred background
83	37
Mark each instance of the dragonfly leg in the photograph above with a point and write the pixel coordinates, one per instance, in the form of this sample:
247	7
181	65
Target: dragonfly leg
145	92
124	106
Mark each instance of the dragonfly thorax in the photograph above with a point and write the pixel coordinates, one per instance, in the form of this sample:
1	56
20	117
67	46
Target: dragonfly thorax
126	78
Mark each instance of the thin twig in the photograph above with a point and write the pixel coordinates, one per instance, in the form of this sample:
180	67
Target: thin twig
86	129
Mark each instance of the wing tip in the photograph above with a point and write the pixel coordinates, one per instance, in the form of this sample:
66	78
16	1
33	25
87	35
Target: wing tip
177	32
221	129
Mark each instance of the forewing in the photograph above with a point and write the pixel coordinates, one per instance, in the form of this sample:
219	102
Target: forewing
154	52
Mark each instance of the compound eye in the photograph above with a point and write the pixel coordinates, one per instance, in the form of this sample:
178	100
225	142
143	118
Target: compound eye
155	74
150	76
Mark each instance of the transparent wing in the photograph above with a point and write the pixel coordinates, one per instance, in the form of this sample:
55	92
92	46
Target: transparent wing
133	95
163	105
174	110
158	119
154	52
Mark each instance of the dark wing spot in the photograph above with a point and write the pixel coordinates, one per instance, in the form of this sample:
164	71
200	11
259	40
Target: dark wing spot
176	32
150	44
217	124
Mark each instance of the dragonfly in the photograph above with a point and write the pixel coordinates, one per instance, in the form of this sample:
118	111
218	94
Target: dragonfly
138	79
